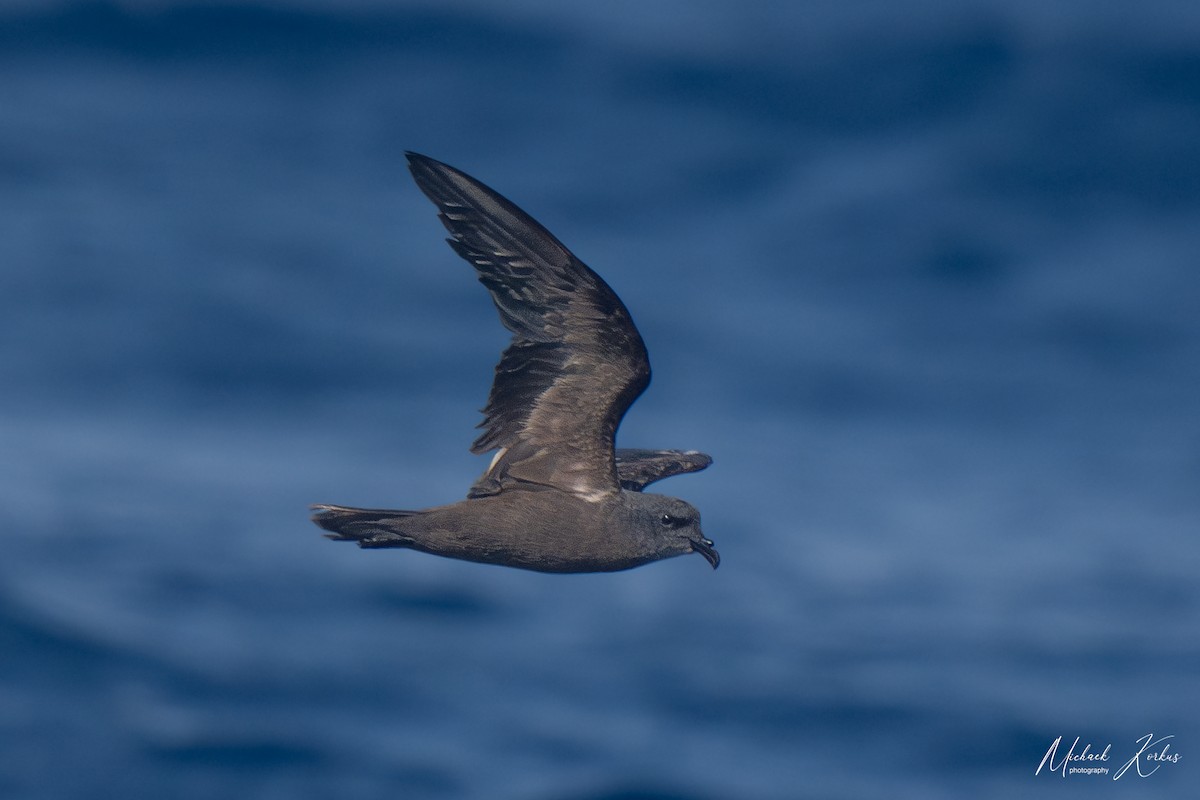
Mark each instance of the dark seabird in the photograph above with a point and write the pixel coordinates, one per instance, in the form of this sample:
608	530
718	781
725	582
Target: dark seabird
558	495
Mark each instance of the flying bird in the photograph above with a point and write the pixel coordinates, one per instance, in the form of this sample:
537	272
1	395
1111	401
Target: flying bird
558	495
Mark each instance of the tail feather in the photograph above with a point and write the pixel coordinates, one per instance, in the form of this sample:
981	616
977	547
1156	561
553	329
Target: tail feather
367	526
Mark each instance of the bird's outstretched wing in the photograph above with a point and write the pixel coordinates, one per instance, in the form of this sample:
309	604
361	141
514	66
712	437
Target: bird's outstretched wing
637	469
576	362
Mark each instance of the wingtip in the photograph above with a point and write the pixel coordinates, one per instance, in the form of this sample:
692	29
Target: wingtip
422	167
701	460
320	514
418	161
435	178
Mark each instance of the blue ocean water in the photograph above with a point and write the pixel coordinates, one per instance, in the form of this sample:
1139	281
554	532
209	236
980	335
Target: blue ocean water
921	277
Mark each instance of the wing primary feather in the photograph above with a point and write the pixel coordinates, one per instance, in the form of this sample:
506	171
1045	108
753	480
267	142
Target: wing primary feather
576	361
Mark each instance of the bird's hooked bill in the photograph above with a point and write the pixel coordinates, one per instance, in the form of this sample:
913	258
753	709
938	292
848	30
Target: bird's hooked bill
705	548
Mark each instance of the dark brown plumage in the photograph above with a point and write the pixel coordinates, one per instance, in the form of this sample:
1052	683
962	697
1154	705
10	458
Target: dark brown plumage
557	496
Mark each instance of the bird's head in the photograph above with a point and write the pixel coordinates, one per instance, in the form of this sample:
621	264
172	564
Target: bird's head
669	526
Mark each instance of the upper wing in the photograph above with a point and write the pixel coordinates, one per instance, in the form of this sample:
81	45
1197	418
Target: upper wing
637	469
576	362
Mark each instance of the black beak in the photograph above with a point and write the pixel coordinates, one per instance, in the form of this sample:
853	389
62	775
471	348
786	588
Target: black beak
705	548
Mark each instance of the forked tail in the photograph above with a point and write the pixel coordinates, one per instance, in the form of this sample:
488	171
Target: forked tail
369	527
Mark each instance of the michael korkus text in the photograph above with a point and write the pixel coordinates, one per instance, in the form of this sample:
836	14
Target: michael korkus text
1151	754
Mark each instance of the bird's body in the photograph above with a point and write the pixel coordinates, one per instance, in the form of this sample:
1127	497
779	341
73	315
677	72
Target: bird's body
558	496
546	531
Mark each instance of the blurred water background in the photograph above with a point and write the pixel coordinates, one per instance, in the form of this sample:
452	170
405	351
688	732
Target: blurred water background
921	276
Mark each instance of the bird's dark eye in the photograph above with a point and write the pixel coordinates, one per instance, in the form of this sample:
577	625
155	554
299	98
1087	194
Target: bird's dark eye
670	522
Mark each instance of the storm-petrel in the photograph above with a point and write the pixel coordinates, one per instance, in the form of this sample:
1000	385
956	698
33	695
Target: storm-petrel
558	495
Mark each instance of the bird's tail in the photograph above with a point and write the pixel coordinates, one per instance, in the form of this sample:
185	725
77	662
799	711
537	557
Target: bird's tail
369	527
